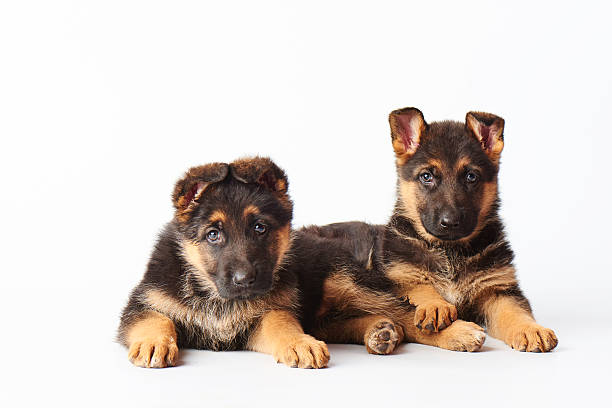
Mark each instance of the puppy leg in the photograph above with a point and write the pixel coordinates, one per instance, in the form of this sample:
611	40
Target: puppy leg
151	341
379	334
459	336
279	333
432	313
512	322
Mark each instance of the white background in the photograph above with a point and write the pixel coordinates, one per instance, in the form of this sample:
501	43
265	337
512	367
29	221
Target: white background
104	104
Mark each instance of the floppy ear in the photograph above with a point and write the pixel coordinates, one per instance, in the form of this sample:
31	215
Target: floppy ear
262	171
489	131
407	126
189	189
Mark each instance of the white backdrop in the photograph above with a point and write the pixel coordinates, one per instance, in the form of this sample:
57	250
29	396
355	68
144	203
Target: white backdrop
104	104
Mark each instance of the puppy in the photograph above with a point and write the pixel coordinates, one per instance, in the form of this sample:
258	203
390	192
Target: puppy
216	279
445	247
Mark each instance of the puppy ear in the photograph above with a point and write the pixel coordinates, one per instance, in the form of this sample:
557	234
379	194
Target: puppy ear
262	171
407	126
489	131
189	189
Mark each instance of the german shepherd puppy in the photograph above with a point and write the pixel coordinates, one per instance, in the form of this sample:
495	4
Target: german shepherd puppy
444	246
216	279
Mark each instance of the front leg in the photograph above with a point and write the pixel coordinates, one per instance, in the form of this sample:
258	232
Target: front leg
432	313
151	340
510	320
279	333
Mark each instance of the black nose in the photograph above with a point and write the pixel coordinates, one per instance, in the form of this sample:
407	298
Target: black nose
449	220
243	277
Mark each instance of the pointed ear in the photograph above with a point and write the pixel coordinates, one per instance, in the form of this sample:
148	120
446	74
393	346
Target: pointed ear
489	131
262	171
189	189
407	126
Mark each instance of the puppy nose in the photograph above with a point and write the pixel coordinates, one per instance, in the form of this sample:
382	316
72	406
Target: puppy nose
243	277
449	221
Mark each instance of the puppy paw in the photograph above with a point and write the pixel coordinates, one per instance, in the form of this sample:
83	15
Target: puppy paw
532	337
154	353
434	316
462	336
303	352
382	338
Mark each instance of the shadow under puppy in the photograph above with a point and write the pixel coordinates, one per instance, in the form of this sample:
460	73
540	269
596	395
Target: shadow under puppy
216	278
445	246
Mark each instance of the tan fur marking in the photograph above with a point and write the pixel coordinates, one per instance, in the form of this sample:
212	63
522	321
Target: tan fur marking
250	209
510	322
281	185
461	163
341	292
408	200
421	294
400	158
435	163
280	334
284	240
406	276
200	260
152	341
217	216
168	305
480	281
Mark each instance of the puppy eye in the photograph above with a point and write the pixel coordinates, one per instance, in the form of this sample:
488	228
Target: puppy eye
213	235
260	228
426	177
471	177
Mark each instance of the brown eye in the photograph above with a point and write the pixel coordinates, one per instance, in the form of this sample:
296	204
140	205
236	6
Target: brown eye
471	177
426	177
212	235
260	228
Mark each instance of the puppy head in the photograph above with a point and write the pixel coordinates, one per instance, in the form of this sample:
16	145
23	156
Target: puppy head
234	222
447	172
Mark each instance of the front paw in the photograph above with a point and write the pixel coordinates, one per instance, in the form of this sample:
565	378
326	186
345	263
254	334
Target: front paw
303	352
153	353
434	316
462	336
531	337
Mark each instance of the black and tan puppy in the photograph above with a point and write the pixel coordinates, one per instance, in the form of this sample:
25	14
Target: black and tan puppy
444	246
216	278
